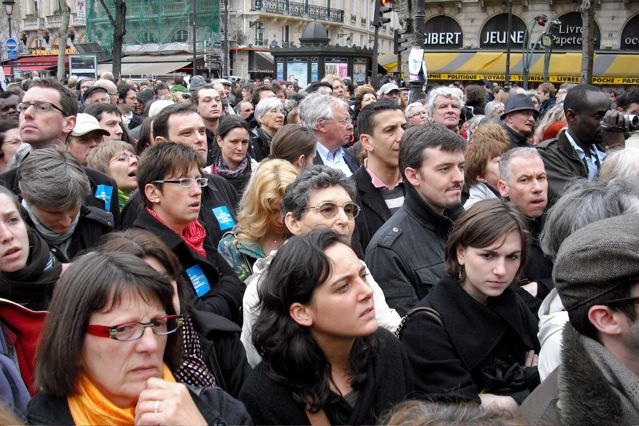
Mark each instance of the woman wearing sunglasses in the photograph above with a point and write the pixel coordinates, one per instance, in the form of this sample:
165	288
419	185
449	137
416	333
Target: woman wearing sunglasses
259	228
324	360
108	350
170	181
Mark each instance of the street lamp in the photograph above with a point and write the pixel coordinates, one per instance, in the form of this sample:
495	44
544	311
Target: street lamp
547	42
8	8
527	49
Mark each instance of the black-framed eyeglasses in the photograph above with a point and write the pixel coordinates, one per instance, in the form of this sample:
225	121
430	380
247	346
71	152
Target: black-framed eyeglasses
40	107
134	330
186	182
624	300
330	209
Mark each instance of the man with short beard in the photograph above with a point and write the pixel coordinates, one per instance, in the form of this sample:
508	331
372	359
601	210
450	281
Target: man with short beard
519	120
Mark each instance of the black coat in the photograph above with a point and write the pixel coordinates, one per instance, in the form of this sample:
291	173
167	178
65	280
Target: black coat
517	140
214	404
388	383
225	296
374	212
222	350
452	356
218	194
350	161
406	255
538	268
260	147
96	179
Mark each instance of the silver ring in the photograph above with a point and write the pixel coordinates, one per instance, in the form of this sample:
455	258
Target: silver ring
156	407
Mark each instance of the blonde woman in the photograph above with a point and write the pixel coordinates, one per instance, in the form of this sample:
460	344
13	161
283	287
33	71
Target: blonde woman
259	228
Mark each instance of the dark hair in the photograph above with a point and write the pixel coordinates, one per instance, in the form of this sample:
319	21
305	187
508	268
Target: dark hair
480	226
417	138
111	275
628	97
576	97
163	159
230	122
145	135
315	85
7	95
161	120
291	141
256	93
5	125
123	90
196	93
68	99
100	108
289	352
159	87
295	199
366	117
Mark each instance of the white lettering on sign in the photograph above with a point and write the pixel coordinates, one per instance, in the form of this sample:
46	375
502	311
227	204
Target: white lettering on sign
442	38
499	37
632	40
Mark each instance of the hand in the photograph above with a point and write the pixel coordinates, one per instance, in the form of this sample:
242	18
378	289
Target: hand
498	403
532	359
531	288
166	403
612	138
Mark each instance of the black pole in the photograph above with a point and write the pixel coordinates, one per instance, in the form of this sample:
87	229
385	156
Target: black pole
417	87
194	38
508	30
374	79
399	66
226	39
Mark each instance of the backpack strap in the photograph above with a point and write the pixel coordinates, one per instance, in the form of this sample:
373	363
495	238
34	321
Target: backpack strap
429	311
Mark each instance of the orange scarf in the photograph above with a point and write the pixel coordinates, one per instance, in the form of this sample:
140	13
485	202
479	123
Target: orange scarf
90	407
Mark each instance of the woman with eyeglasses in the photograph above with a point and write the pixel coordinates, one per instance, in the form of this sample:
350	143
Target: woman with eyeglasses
270	114
324	359
170	183
472	338
117	159
109	349
259	228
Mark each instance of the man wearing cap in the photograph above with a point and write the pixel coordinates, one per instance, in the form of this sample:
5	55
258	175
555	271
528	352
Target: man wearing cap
519	120
444	107
94	95
86	135
111	88
596	274
389	91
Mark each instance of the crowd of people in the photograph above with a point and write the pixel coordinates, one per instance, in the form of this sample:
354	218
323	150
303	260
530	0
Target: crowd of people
322	255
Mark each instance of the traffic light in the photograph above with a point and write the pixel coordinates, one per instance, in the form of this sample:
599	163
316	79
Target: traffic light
380	19
398	40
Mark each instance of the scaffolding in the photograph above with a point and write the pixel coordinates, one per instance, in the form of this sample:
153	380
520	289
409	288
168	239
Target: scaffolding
156	23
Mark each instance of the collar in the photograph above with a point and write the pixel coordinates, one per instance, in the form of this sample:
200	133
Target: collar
422	211
377	182
325	153
594	151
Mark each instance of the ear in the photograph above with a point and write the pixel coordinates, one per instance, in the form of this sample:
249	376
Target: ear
321	126
152	193
571	116
503	188
367	142
292	224
605	320
412	176
218	139
481	179
461	254
68	124
300	162
300	314
160	139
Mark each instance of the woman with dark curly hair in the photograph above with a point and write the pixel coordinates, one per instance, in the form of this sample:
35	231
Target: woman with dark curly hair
324	360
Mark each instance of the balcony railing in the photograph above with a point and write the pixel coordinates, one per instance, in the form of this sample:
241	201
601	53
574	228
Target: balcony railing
32	23
304	10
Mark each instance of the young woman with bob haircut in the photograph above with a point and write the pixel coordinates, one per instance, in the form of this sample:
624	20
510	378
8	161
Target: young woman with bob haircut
472	339
324	359
108	351
213	353
295	144
260	228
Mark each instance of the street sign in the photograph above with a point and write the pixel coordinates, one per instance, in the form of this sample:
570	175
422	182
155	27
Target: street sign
13	55
12	44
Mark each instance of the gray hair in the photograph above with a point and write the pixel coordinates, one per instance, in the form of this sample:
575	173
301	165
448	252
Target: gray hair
491	108
316	107
446	92
624	162
51	177
584	203
295	199
265	105
410	107
511	154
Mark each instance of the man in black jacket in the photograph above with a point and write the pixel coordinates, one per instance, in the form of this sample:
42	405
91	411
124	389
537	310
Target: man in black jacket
380	187
519	120
406	255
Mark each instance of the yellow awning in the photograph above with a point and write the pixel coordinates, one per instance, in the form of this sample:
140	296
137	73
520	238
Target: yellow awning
608	68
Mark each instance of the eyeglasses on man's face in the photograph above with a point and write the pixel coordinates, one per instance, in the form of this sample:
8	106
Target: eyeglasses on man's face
40	107
134	330
329	209
185	182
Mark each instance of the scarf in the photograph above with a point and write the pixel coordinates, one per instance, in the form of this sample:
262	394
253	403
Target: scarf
29	285
193	370
193	235
60	241
123	198
90	407
220	168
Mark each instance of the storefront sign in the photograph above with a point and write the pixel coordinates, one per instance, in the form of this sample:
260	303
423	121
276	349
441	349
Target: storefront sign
494	34
569	35
38	52
630	35
443	32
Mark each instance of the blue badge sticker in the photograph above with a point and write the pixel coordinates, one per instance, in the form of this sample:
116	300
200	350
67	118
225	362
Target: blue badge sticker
199	281
104	193
224	218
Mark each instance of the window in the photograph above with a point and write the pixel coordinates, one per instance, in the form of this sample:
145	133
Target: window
181	36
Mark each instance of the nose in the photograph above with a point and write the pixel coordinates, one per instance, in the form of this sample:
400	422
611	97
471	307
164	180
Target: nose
500	267
5	235
366	290
458	176
196	190
537	186
148	342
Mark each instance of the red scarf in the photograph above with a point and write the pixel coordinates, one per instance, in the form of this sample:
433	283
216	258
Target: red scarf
193	235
